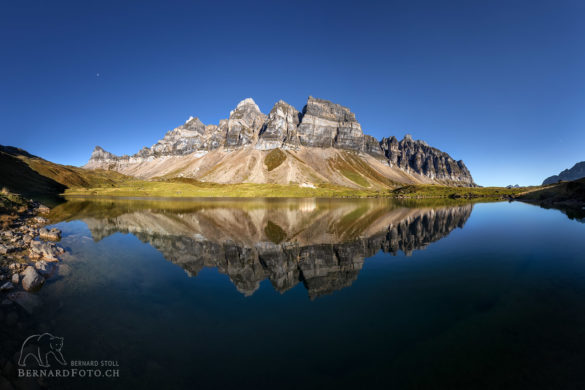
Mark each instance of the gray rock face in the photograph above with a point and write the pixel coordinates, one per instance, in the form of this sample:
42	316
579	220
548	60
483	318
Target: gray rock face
325	124
321	124
280	129
576	172
244	124
418	157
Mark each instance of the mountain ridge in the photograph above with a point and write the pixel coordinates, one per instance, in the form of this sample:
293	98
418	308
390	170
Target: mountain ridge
323	142
576	172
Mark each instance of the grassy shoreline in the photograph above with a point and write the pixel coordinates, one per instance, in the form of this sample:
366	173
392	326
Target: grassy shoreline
193	189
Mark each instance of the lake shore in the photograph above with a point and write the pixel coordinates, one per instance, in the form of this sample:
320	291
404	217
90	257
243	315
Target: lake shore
195	189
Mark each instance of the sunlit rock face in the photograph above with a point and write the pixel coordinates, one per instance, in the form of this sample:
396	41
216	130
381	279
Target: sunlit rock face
321	244
321	124
280	129
325	124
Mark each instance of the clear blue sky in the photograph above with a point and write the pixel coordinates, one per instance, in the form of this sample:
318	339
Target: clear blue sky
498	84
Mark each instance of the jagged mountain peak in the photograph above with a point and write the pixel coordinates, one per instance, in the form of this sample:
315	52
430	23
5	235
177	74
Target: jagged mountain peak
100	154
321	125
247	103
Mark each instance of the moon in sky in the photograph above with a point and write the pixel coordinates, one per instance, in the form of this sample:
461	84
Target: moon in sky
97	75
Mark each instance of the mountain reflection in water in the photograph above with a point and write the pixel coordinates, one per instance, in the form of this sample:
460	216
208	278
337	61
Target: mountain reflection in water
321	243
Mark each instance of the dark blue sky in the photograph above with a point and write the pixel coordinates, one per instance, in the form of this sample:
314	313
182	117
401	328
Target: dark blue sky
499	84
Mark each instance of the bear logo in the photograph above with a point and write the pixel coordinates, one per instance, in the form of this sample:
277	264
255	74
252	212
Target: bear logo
40	346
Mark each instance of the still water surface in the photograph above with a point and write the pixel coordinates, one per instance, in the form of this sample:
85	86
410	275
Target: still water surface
320	294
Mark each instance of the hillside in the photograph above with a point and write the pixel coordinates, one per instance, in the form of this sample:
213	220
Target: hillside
569	197
34	177
322	144
574	173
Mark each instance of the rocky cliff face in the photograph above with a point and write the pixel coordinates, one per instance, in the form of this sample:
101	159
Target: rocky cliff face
417	156
576	172
320	125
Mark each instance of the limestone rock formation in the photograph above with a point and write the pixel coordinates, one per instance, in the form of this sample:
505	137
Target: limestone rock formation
280	129
576	172
417	156
321	125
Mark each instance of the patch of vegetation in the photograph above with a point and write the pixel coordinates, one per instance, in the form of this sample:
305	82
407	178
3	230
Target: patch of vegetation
346	169
43	180
366	170
274	158
184	187
274	232
572	192
10	202
438	191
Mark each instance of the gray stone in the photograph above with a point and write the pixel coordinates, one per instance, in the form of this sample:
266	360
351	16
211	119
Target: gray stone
31	279
43	209
29	302
52	235
42	250
44	268
15	279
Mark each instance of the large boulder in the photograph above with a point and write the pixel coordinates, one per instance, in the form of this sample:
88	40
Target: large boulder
52	235
31	280
42	250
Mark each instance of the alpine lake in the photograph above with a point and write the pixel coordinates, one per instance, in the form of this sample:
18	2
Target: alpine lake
316	294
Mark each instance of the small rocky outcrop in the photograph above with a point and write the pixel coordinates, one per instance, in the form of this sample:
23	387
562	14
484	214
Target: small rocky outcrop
575	173
27	252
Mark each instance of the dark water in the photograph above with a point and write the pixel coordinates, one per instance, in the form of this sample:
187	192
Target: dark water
320	294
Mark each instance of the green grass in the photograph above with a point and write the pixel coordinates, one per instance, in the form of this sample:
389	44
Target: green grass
438	191
274	159
193	188
563	192
43	180
183	187
10	202
349	171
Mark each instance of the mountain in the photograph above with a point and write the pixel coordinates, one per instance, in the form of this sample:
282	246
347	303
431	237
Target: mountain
320	246
323	143
577	172
569	197
34	177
